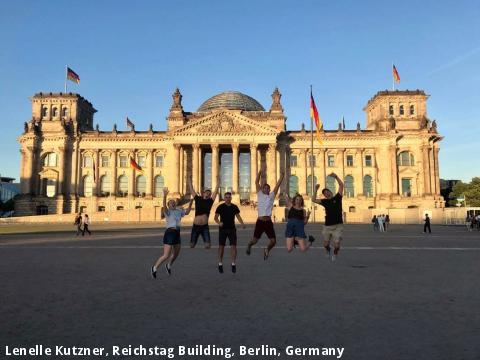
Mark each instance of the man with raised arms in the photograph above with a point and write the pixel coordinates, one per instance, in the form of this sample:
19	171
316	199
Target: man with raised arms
264	224
203	205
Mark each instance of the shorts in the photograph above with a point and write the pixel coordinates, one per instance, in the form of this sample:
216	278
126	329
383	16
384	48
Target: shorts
334	230
223	234
171	237
198	230
266	227
295	228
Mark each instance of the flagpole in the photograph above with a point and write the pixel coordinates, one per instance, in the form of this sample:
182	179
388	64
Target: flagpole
66	75
393	79
311	161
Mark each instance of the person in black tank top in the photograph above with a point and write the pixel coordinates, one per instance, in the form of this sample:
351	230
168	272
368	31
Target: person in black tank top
297	218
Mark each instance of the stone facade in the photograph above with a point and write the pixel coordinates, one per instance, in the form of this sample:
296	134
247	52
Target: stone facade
67	165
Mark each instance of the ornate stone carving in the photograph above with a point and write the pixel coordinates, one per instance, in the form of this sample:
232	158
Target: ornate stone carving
358	126
276	105
177	101
224	125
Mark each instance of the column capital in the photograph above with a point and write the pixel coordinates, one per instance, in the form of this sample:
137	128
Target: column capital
272	147
177	146
235	146
196	146
214	146
253	146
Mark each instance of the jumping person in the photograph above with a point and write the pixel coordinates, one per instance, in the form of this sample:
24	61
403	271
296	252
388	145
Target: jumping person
297	219
427	224
78	223
264	223
86	223
225	218
171	238
203	205
333	229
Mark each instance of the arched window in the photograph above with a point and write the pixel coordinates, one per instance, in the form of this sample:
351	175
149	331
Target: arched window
390	110
292	186
65	112
87	186
159	185
50	187
331	184
123	185
54	112
141	184
105	185
405	158
50	159
349	187
309	184
367	186
412	109
44	111
402	111
87	161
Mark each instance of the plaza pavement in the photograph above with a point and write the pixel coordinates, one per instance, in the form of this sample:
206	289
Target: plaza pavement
395	295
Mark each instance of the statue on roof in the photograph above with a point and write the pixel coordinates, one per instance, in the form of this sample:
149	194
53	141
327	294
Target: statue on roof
276	105
177	101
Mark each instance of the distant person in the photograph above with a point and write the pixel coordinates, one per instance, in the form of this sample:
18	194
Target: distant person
171	238
427	224
225	215
333	229
86	224
387	222
468	222
297	218
78	223
264	224
375	223
203	205
381	227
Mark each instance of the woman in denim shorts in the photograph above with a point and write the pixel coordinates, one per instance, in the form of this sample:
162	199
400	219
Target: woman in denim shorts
297	218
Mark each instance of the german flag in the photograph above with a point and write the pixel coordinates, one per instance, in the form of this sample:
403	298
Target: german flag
314	116
396	76
73	76
134	165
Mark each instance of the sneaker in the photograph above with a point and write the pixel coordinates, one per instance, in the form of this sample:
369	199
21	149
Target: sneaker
333	258
234	268
265	254
311	239
153	273
220	269
168	269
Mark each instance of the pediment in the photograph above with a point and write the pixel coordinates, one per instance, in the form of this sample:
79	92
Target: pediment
49	174
225	123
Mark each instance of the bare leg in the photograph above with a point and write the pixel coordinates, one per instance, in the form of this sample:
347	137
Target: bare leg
166	254
176	252
290	241
326	243
221	249
250	244
336	244
270	246
303	245
233	253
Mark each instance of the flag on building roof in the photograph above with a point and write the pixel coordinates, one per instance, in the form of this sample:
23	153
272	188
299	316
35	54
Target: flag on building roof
134	165
343	122
396	76
314	115
130	124
73	76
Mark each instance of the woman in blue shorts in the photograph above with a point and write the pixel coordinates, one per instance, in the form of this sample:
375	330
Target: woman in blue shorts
171	238
297	219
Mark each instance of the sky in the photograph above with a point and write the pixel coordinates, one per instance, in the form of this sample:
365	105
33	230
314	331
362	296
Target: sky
131	55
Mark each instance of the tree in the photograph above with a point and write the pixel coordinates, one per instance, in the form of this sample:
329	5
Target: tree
471	192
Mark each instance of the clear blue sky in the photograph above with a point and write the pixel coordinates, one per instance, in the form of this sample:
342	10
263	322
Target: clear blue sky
131	56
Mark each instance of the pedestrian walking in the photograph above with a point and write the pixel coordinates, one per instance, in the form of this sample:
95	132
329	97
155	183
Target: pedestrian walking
86	224
78	223
427	224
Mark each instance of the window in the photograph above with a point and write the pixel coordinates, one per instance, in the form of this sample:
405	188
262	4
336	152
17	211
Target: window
331	184
309	184
367	186
412	109
349	160
331	160
293	160
138	207
141	184
87	162
120	207
406	187
390	110
54	112
88	186
44	112
50	187
105	160
368	160
141	161
123	185
123	161
50	159
159	185
311	160
349	187
101	208
65	112
351	209
105	185
292	186
159	161
402	111
405	158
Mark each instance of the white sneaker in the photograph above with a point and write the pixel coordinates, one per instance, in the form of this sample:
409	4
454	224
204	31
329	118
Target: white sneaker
333	257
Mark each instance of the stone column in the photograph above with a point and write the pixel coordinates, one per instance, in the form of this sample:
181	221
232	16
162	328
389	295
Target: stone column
302	181
394	169
425	169
73	167
149	189
182	171
214	166
282	166
131	191
175	166
253	170
437	171
97	174
358	170
195	168
235	168
271	165
341	163
61	171
431	156
113	185
321	170
27	165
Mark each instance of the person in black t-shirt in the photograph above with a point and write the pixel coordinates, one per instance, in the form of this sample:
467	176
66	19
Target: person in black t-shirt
332	231
225	218
427	225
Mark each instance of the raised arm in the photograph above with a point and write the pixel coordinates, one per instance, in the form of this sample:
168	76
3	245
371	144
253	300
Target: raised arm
306	216
314	198
288	201
257	181
190	187
189	206
340	183
164	207
215	193
279	182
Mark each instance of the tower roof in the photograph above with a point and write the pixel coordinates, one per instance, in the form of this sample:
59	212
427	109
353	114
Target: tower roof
232	100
